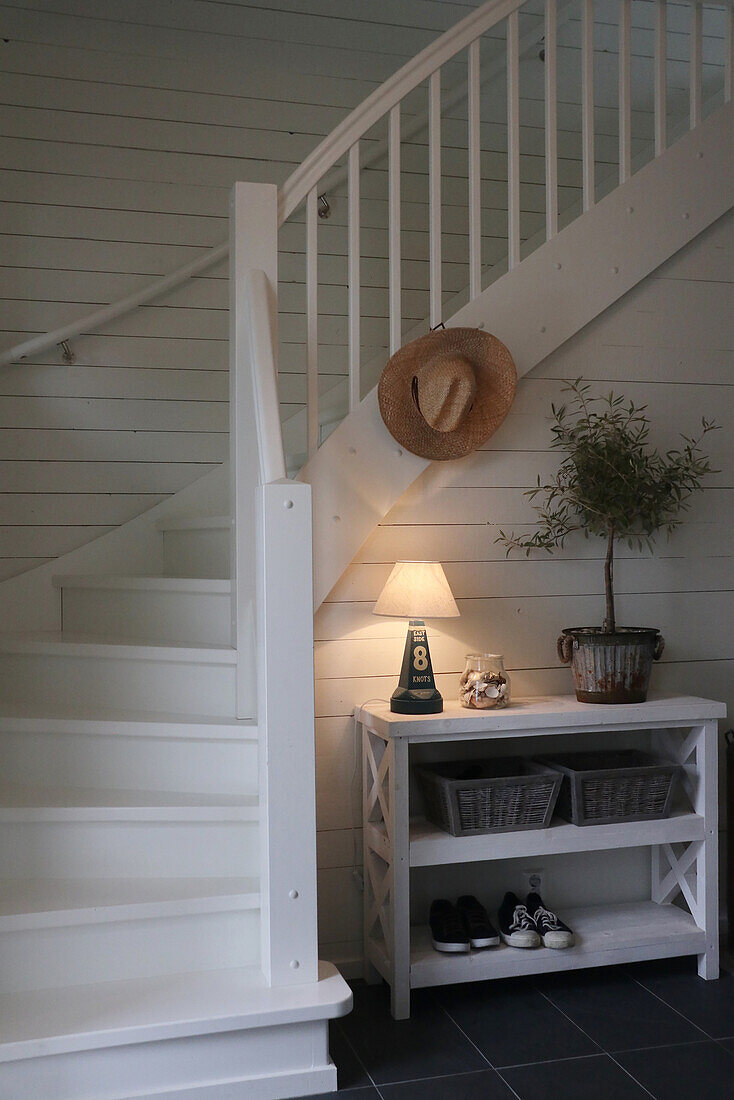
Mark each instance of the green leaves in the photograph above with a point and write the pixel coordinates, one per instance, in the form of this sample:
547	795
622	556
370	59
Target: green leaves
610	477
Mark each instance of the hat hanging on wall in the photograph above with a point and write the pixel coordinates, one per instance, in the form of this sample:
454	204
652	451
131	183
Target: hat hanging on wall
443	395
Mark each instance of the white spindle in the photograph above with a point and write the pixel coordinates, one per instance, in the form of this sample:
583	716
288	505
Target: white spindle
625	113
475	185
587	104
696	63
353	251
434	197
312	323
729	59
394	244
661	96
551	127
513	142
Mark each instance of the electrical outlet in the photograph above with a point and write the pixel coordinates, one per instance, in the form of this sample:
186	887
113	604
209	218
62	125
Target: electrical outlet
533	879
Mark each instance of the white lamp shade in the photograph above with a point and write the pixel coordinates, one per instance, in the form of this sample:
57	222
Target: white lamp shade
417	590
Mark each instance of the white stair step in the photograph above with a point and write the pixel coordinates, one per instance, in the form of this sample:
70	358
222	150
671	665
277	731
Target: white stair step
197	546
135	930
157	609
148	1036
77	833
33	718
27	904
24	803
59	670
205	756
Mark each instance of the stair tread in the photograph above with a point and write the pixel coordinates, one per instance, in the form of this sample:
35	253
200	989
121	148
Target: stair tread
65	643
44	903
20	803
115	1013
130	723
140	583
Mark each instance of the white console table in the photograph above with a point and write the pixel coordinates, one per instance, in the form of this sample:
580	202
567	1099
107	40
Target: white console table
682	728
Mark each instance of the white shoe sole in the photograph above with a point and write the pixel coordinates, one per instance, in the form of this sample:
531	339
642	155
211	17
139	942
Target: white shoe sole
521	939
450	948
558	941
490	941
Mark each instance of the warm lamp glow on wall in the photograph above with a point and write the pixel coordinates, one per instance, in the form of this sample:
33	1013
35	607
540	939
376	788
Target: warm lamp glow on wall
417	590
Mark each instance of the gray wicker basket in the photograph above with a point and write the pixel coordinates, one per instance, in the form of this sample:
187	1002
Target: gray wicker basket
604	787
466	798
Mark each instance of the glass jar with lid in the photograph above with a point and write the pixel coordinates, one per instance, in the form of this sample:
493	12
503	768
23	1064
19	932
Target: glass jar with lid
484	683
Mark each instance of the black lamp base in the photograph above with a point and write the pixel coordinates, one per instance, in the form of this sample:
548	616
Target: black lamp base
417	692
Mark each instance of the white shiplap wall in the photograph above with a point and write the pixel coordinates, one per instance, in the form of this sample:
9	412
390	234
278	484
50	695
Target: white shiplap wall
123	127
670	344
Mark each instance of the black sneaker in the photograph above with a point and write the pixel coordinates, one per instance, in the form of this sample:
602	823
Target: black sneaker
552	931
447	928
477	923
517	927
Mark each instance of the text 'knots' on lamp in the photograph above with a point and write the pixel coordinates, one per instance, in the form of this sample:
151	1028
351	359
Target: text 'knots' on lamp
417	590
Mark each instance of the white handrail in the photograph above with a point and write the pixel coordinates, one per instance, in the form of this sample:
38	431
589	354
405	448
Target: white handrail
407	78
387	96
116	309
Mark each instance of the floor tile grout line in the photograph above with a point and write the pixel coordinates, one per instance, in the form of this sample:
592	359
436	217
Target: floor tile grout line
631	1076
351	1046
461	1031
670	1006
567	1017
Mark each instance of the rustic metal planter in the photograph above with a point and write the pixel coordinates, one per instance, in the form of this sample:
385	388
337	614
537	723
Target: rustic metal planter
610	667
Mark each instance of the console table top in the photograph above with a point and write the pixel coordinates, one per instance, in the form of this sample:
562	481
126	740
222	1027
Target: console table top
537	713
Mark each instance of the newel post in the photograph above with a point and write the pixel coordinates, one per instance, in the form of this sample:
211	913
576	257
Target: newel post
286	726
253	227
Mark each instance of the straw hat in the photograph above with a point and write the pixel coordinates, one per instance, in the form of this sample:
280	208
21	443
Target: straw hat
443	395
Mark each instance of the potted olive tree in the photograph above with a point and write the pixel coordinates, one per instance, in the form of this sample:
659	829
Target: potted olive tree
611	483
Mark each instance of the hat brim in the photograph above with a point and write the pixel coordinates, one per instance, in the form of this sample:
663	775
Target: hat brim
496	381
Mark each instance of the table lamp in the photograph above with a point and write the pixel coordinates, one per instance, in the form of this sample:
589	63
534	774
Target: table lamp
417	590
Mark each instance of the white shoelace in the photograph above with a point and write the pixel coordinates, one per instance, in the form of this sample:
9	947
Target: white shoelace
542	913
521	918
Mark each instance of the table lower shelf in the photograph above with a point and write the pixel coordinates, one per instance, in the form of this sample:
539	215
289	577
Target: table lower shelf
630	932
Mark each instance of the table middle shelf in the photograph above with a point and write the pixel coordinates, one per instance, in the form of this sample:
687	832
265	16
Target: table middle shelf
430	846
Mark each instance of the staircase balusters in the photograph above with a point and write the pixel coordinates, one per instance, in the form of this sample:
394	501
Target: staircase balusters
696	63
474	143
625	108
513	141
353	252
312	323
434	198
588	164
394	242
661	97
551	123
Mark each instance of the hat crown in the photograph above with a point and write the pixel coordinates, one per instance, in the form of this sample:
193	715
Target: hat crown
444	390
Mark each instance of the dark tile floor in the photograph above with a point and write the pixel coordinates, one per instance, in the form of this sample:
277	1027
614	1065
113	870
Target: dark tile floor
621	1033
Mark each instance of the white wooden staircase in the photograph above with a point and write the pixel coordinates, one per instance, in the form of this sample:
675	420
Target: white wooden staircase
157	826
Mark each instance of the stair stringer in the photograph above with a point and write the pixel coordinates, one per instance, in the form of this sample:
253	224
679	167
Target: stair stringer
360	472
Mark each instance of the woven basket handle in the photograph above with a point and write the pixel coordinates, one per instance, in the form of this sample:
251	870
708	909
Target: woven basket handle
564	645
659	647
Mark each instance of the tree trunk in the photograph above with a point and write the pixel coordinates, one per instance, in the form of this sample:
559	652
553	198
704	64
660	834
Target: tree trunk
610	624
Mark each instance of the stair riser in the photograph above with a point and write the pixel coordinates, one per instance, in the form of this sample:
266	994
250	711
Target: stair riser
267	1063
51	958
95	849
133	763
202	553
117	684
148	615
